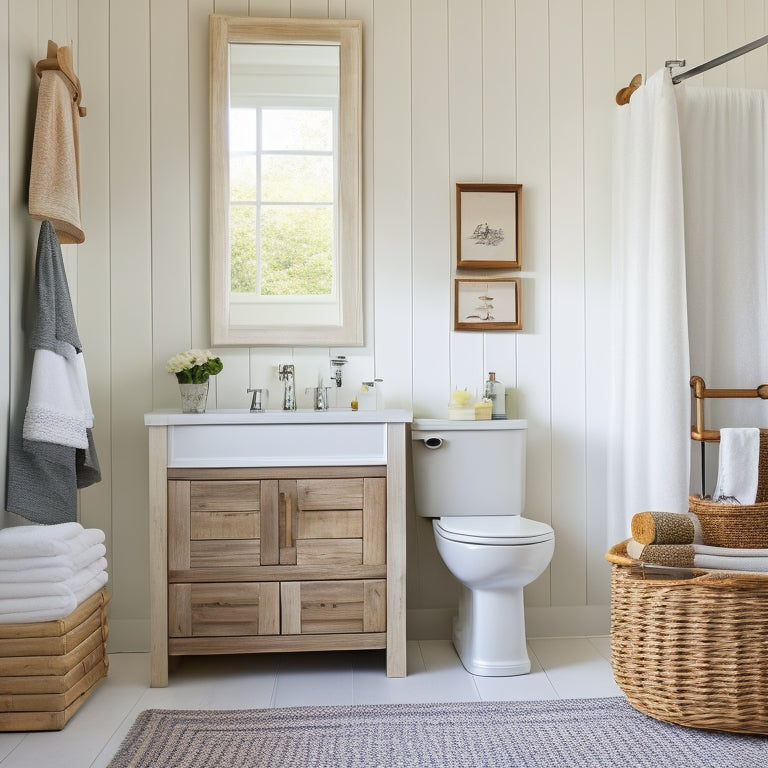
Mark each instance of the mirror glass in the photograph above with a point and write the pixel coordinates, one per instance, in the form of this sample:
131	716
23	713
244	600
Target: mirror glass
285	182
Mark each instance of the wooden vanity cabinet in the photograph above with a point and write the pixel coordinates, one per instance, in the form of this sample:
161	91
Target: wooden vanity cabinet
276	531
271	559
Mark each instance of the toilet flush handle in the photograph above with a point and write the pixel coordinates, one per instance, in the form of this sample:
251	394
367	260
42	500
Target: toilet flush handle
433	443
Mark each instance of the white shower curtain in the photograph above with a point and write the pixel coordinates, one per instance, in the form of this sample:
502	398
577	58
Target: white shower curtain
690	245
648	460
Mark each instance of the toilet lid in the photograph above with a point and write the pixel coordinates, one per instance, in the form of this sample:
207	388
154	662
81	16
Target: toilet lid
501	530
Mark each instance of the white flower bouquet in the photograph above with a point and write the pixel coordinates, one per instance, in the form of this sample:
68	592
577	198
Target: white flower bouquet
194	366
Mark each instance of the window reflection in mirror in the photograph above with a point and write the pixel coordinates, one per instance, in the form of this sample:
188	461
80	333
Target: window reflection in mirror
288	270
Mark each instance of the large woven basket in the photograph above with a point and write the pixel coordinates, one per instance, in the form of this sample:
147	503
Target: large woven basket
731	525
691	651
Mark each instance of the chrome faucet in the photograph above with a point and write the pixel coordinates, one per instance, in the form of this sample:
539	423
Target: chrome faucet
286	373
337	363
257	401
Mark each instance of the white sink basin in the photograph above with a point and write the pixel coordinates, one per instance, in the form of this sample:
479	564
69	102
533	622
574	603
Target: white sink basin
239	438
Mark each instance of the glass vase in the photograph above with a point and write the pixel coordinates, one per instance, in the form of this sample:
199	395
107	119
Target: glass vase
194	397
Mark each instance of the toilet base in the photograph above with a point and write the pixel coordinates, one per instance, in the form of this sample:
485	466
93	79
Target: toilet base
489	633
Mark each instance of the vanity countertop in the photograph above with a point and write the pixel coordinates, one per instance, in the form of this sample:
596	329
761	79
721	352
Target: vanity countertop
174	417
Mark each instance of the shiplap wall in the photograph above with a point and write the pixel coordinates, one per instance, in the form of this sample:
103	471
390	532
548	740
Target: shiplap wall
455	90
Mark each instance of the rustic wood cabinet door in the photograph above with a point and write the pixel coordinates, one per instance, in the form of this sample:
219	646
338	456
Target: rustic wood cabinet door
333	607
341	522
223	610
214	523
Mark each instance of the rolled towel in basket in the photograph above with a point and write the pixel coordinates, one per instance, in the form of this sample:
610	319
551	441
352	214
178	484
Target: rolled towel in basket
662	528
676	555
699	556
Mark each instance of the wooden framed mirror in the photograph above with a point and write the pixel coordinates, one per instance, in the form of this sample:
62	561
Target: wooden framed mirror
286	106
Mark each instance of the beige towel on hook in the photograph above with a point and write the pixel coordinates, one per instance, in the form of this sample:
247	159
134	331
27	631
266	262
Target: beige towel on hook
54	184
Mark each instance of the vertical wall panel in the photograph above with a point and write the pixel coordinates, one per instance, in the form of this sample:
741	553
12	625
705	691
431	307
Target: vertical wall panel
500	152
309	9
599	111
5	258
690	35
432	194
629	42
567	295
171	306
429	582
23	53
199	178
267	8
499	113
715	40
93	256
660	34
534	343
131	321
392	198
756	62
736	35
465	99
232	7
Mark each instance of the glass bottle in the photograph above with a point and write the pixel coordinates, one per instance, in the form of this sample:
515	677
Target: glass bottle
494	391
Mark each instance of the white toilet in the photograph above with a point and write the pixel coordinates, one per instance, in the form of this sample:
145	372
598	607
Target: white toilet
470	477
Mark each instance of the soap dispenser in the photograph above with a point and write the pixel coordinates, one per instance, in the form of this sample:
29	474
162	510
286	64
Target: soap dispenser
494	391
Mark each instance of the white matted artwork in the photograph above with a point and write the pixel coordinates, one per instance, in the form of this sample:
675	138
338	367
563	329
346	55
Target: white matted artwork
487	304
489	226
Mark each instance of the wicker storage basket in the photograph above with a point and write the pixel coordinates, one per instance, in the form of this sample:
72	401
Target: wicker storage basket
48	669
731	525
691	651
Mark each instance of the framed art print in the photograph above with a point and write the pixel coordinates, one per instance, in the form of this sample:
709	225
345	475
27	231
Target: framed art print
487	304
489	226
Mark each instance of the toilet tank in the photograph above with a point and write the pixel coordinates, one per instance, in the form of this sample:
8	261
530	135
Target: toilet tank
463	468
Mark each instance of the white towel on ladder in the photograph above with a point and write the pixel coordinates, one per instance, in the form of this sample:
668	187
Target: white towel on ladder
738	465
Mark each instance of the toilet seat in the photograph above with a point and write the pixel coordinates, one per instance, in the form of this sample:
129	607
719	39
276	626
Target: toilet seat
498	530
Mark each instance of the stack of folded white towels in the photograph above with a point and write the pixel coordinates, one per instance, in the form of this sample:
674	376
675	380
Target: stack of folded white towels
46	571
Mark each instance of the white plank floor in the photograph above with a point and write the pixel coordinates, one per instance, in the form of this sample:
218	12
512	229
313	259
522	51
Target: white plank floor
560	668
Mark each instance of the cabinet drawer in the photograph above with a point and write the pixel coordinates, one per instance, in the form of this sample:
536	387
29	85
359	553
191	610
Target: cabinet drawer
216	610
328	607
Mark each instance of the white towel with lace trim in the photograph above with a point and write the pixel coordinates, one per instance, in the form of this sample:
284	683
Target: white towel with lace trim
59	406
738	463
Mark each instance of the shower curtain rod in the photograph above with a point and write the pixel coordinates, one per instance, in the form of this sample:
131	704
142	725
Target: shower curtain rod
624	94
716	62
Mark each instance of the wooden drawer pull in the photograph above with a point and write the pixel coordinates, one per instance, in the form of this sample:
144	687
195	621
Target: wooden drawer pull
288	541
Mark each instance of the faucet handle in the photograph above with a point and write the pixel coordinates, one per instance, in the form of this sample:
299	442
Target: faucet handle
257	402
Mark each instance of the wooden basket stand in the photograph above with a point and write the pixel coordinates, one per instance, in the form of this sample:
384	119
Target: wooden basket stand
729	525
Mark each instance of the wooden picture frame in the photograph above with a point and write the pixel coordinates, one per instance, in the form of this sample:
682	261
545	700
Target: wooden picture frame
489	219
487	304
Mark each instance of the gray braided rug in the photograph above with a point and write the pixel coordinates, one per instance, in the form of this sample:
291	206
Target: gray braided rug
566	733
